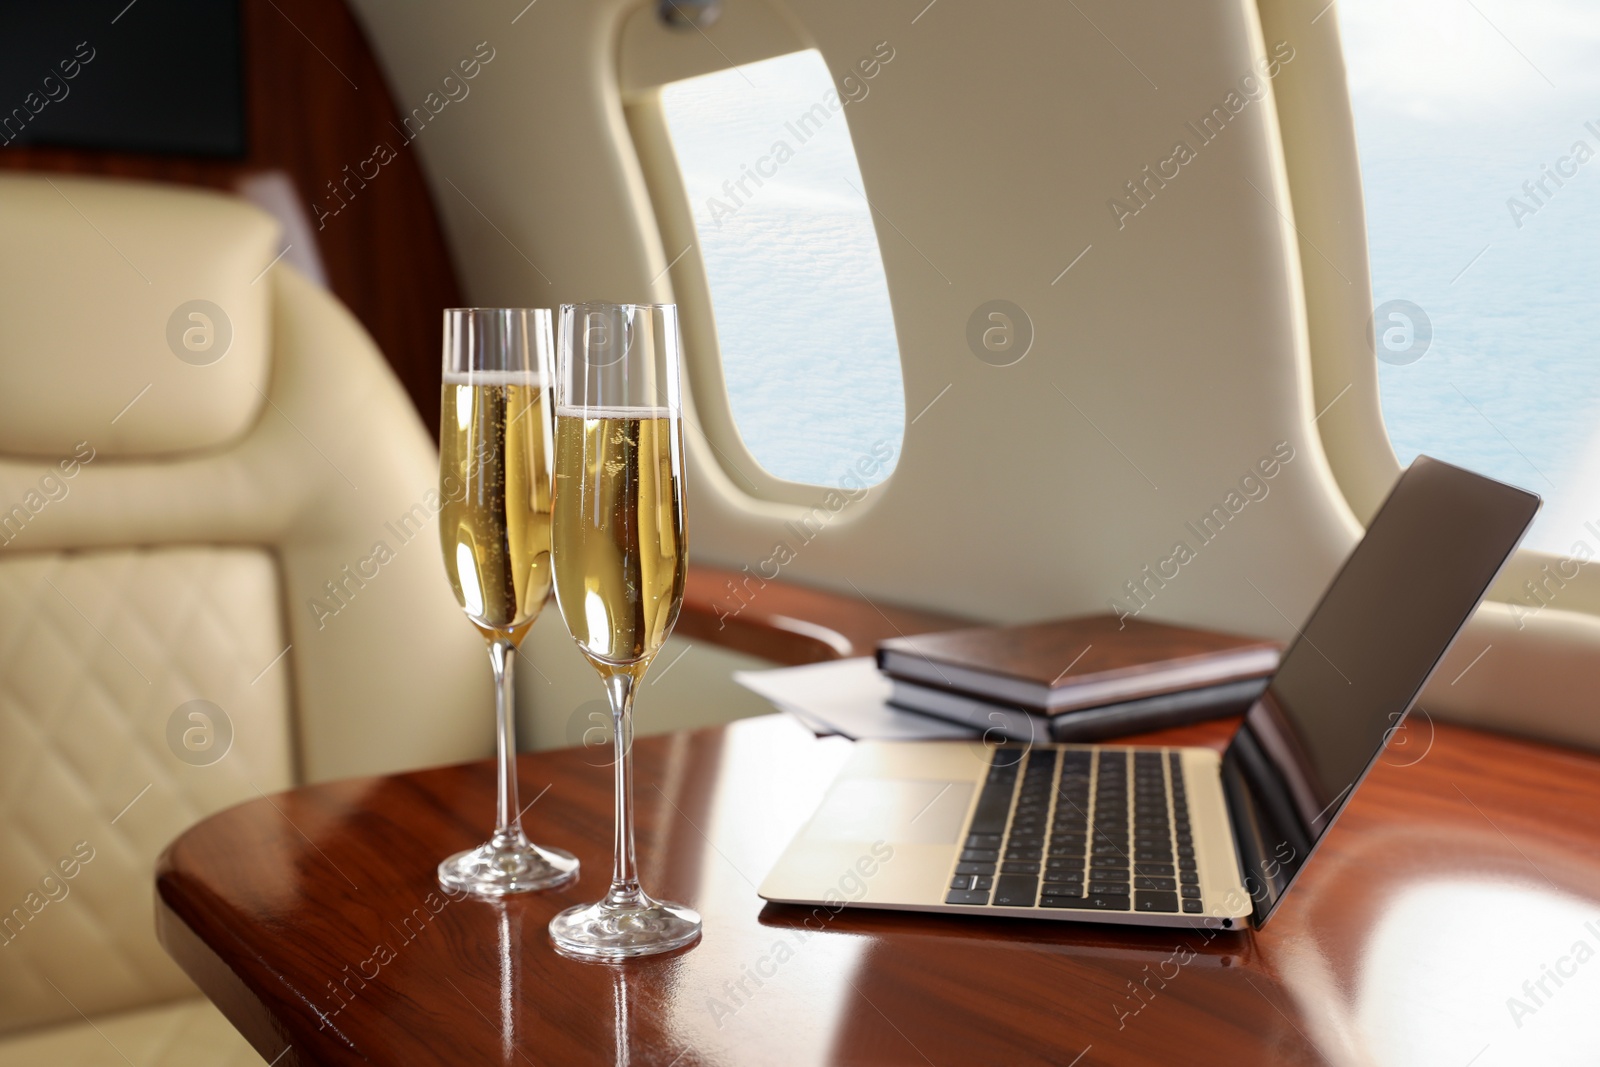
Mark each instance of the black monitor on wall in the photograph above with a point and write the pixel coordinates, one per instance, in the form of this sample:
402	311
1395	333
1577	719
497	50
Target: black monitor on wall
158	76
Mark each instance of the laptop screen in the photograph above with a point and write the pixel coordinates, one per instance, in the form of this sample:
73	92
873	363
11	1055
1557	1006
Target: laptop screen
1352	673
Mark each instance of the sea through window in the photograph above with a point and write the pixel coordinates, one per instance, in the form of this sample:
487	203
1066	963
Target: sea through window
791	258
1478	126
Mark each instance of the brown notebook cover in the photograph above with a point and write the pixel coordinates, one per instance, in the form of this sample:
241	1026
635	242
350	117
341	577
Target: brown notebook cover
1083	662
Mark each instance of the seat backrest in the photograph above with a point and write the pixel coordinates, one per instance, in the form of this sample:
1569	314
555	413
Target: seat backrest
219	565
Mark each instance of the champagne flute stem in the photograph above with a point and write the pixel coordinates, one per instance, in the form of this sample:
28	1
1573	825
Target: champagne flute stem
624	874
508	820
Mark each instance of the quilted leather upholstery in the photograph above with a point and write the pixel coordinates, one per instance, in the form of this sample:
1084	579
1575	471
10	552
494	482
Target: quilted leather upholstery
97	652
240	574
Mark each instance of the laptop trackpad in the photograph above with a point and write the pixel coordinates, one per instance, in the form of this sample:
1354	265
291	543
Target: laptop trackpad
896	810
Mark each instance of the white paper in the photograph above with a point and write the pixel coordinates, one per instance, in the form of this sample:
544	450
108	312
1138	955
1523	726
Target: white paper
847	697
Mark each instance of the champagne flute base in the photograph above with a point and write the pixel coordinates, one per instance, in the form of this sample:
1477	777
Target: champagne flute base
617	931
498	869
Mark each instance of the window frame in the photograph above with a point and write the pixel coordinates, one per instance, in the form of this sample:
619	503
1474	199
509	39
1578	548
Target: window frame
1322	161
643	72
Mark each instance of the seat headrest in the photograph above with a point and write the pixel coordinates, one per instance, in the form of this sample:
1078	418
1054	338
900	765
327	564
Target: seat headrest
133	316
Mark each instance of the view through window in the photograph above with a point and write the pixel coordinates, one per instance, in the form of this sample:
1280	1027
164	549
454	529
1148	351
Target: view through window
1478	123
796	278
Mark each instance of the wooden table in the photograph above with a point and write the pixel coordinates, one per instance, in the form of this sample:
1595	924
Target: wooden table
312	919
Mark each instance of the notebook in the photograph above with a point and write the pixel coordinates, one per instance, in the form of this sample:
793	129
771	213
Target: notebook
1064	665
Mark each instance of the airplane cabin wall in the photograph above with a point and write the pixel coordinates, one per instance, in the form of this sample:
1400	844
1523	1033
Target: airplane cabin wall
1170	362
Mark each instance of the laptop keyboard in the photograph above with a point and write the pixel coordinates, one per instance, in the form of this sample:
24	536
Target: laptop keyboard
1086	829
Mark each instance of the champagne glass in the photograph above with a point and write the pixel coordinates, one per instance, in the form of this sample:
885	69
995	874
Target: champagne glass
495	441
618	554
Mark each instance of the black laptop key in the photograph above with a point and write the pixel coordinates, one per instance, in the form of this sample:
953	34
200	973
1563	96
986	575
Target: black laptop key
967	896
1185	863
983	840
1109	850
1062	900
1108	874
1063	889
1108	888
1189	877
1153	870
1106	902
974	868
1190	892
1152	855
1152	901
1191	907
963	881
1019	868
1024	854
1016	891
989	817
980	855
1156	883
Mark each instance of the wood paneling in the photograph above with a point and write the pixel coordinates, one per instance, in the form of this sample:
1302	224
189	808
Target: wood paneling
317	104
793	624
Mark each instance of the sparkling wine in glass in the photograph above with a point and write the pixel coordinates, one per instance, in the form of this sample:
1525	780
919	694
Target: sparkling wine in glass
495	446
619	557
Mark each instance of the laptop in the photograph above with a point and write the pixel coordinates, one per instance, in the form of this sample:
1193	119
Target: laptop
1173	836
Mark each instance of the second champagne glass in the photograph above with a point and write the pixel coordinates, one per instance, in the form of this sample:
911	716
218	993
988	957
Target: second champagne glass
494	478
619	556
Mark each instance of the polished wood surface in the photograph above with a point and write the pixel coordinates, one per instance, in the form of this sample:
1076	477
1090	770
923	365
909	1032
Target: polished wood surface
313	920
317	107
793	624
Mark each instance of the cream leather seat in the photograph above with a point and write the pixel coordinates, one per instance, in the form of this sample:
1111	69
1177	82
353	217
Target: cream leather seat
211	490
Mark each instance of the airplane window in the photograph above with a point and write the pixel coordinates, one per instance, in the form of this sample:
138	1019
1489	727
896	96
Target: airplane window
1478	140
792	261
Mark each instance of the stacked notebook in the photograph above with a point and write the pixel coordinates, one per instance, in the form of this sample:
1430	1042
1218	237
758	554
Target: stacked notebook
1079	679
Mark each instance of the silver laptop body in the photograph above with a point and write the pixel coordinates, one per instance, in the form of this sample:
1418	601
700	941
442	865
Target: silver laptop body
1173	836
